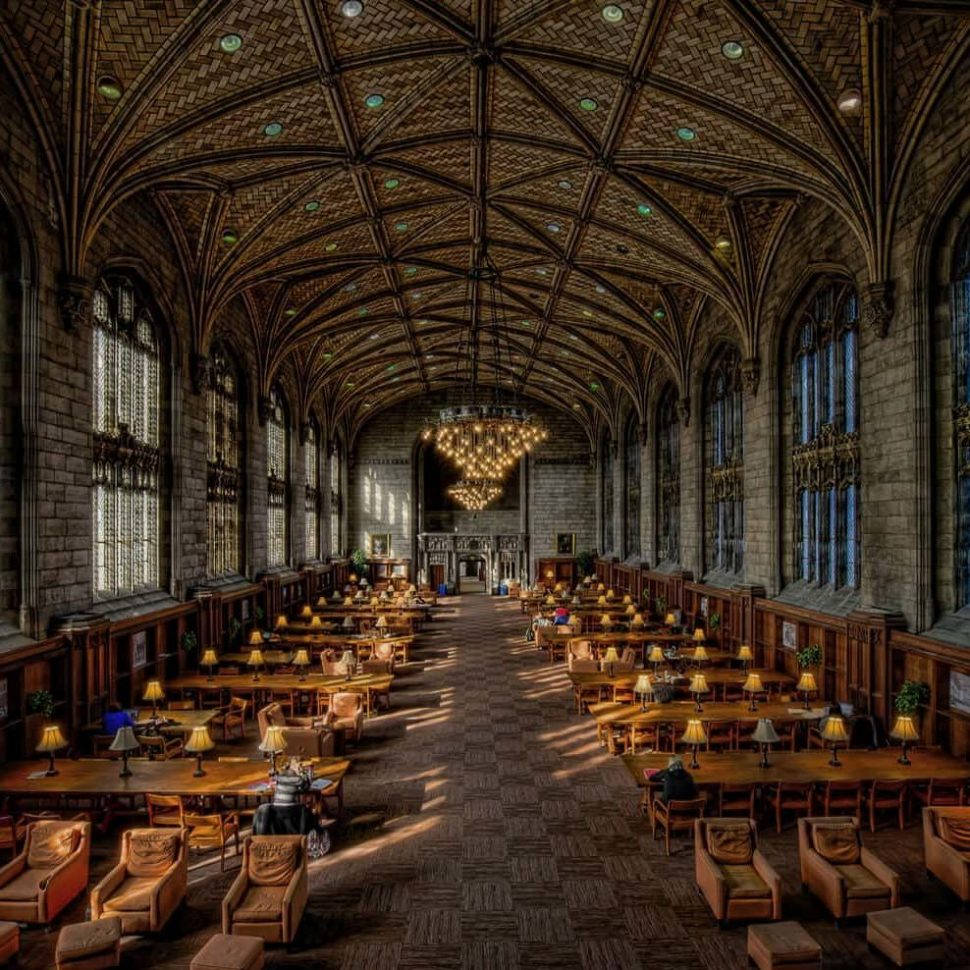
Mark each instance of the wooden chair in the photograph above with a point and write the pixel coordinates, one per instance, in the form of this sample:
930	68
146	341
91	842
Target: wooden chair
939	791
285	700
159	748
737	800
842	798
213	831
232	719
732	693
787	732
13	829
721	735
165	811
650	736
623	694
887	796
791	796
677	815
183	705
101	747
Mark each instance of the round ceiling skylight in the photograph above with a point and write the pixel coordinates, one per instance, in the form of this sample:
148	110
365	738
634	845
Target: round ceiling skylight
351	8
723	244
401	226
230	43
600	288
374	100
588	104
565	184
612	13
732	50
290	311
553	226
391	183
230	237
850	102
312	205
273	129
644	209
350	288
686	134
330	247
411	271
659	313
109	88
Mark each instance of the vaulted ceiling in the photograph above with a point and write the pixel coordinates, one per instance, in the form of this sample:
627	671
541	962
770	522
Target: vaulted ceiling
345	169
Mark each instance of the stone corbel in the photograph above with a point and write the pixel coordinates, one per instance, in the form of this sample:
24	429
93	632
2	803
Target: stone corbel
264	407
304	432
878	307
199	367
751	375
74	302
683	409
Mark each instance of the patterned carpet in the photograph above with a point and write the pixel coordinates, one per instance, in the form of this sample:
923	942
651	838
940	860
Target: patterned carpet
487	830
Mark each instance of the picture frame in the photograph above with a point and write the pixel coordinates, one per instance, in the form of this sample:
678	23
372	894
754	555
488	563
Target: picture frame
959	692
704	606
789	635
379	545
139	649
565	543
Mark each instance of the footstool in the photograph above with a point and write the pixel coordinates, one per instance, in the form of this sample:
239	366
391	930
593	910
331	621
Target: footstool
9	940
904	936
785	945
223	952
89	946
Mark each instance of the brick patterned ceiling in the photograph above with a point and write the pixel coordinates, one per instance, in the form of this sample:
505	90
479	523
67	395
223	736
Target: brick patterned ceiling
619	170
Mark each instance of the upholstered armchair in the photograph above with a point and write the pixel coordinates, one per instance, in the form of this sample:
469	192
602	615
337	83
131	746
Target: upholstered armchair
48	873
346	715
269	895
148	883
384	650
306	737
735	878
946	846
848	878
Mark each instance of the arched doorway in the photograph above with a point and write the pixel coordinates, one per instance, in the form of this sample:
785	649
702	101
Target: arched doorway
472	573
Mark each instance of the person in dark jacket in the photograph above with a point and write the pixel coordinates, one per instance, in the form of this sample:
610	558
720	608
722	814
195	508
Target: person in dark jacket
115	718
678	785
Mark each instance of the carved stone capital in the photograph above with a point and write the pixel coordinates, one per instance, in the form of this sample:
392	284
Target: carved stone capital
74	302
878	306
750	374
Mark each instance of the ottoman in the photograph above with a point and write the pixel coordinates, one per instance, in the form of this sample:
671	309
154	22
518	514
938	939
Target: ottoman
783	945
904	936
89	946
9	940
223	952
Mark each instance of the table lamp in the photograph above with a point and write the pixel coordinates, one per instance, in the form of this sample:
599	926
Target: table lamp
358	596
381	623
610	658
606	621
281	622
764	735
210	660
348	623
695	736
273	743
301	659
550	575
125	742
384	597
627	599
698	686
630	610
576	601
51	740
349	661
364	582
600	587
412	589
335	596
642	688
656	657
255	638
321	602
153	693
753	687
601	601
637	620
198	743
550	600
670	620
806	684
699	635
348	601
352	578
610	595
835	733
745	655
700	653
375	601
559	587
904	730
306	612
255	661
316	623
574	621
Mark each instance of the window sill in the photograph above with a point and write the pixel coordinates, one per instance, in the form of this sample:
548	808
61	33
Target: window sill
825	599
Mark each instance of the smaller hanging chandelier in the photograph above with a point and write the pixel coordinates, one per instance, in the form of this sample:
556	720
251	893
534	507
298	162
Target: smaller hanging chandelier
475	495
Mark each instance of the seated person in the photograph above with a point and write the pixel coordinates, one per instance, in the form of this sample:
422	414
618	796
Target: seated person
678	785
115	718
560	617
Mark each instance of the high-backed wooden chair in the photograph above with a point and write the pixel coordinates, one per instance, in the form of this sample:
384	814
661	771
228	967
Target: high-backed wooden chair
232	719
165	810
160	748
737	800
842	798
946	847
677	815
791	796
887	796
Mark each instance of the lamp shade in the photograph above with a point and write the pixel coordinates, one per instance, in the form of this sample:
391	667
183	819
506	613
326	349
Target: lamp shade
280	622
306	612
381	622
153	691
600	588
744	653
606	620
694	733
637	619
199	740
375	601
550	600
347	658
124	740
630	610
574	620
348	601
700	653
352	577
301	659
610	594
904	728
698	684
670	619
274	740
611	656
835	729
806	682
209	658
316	623
51	739
627	599
348	623
601	601
765	732
753	684
656	654
322	601
359	595
577	601
255	638
643	685
699	635
335	596
559	587
255	658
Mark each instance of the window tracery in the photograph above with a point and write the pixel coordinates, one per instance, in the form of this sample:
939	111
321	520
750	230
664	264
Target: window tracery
276	472
223	461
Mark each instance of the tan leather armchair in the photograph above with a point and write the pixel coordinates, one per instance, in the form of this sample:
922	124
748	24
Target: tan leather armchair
946	846
306	737
848	878
48	873
269	895
735	878
346	715
148	883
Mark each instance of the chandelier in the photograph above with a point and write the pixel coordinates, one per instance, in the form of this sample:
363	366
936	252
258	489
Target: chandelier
475	495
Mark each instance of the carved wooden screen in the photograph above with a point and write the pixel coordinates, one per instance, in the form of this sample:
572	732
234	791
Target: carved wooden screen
223	486
311	457
277	477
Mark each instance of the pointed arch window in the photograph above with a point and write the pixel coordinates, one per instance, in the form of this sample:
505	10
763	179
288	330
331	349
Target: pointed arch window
223	497
668	478
961	410
631	473
311	457
724	452
277	466
825	455
335	498
607	524
127	458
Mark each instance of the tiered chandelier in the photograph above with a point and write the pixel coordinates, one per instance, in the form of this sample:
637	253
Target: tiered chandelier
484	441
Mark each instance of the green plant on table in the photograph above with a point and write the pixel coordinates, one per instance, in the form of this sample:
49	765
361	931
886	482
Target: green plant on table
913	695
810	656
41	702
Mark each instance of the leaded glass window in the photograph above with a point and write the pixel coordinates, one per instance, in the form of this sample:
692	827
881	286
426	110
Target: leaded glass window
311	458
631	471
668	478
825	457
223	458
125	493
607	493
961	410
276	471
724	454
335	545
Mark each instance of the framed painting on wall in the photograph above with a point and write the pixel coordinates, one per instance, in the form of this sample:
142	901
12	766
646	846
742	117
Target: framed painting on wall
139	649
379	544
959	692
565	543
789	635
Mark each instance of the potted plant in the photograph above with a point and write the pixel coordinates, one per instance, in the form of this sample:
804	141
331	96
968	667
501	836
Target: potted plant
810	657
913	695
41	702
358	561
585	563
714	622
234	632
190	642
660	605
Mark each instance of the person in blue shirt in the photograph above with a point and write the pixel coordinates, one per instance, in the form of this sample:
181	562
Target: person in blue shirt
115	718
560	617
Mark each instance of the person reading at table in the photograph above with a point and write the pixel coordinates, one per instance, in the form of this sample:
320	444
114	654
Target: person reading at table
677	781
560	617
115	718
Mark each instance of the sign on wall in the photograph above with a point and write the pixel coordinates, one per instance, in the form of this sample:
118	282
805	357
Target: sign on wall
379	544
565	543
139	649
789	635
959	692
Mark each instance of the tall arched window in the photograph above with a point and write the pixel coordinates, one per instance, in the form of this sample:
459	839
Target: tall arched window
607	464
724	453
224	463
825	454
631	474
311	458
277	472
335	544
126	441
668	478
961	409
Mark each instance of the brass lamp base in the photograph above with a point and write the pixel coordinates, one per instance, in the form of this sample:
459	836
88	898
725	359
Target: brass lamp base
199	772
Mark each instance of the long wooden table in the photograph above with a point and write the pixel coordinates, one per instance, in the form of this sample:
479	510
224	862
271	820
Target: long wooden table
718	676
354	641
182	722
